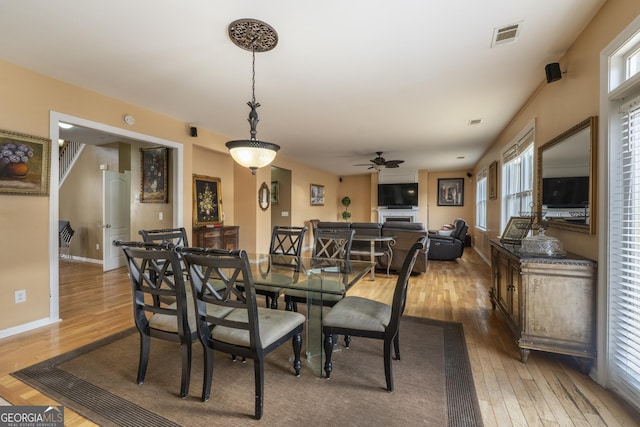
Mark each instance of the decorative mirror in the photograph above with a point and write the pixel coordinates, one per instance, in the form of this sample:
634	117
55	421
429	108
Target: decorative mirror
264	197
567	177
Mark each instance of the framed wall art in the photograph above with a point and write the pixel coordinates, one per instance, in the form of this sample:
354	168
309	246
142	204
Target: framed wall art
275	192
493	180
317	195
154	172
207	201
451	192
24	164
517	229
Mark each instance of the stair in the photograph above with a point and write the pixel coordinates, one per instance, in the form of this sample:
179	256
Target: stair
69	153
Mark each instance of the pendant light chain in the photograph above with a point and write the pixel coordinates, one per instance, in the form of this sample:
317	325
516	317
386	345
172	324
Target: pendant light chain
256	36
253	75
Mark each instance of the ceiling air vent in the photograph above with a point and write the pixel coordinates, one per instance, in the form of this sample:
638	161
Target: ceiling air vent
506	34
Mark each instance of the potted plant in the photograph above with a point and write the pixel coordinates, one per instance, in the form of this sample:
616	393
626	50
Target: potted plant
346	201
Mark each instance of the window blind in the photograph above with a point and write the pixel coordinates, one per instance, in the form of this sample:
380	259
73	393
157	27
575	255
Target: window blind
624	256
481	200
517	179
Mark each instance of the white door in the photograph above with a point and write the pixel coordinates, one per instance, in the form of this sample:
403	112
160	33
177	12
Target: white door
116	192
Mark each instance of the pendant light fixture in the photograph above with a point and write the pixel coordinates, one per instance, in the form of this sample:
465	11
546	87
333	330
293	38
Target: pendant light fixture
255	36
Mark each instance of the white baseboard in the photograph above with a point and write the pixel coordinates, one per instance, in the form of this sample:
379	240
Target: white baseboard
26	327
91	260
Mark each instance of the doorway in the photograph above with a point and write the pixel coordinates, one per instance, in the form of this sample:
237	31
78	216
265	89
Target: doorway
177	156
280	197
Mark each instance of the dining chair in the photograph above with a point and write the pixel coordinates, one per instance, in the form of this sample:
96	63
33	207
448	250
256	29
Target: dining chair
151	270
362	317
246	331
285	248
333	244
177	236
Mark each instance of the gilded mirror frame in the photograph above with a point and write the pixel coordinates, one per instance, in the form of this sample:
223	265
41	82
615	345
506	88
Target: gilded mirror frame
590	123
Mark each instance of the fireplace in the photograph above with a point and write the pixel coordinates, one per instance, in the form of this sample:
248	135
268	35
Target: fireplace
398	218
403	215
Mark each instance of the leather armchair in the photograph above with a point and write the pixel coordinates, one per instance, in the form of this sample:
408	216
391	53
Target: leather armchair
446	248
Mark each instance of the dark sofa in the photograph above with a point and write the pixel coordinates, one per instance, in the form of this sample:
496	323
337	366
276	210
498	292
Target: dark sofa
405	233
448	247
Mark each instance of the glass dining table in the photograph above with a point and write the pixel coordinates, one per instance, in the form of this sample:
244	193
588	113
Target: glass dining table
317	276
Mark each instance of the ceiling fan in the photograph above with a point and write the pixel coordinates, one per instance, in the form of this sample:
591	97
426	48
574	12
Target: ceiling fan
379	162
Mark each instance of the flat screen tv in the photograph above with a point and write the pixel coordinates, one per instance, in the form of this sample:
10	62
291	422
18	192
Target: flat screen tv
398	195
565	192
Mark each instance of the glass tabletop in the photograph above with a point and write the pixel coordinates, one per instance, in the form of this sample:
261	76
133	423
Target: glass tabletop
321	278
269	270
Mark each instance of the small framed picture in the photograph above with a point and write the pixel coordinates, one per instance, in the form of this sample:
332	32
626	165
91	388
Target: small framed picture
24	164
207	201
517	229
317	195
493	180
451	192
275	192
154	169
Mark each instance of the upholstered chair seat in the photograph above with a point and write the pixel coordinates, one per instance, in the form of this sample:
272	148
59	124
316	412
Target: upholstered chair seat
359	313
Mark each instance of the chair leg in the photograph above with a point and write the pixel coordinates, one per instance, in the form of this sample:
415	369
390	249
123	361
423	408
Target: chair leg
296	341
208	373
347	341
396	345
274	302
145	342
291	305
387	365
186	368
328	352
258	370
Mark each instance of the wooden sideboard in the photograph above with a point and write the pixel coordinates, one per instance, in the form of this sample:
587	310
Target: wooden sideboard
218	238
548	303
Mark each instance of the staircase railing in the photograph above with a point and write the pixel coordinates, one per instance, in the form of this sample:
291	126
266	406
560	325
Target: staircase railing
69	153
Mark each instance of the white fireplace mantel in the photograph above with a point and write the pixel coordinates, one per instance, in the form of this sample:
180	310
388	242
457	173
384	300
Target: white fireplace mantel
391	214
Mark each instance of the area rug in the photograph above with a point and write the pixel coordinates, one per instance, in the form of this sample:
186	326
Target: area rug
433	384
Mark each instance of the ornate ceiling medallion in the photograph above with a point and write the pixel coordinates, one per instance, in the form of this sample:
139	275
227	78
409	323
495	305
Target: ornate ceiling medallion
252	34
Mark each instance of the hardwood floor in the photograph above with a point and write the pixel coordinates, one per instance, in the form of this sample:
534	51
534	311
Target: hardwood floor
548	390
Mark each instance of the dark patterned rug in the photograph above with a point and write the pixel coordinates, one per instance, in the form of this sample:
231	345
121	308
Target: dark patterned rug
433	384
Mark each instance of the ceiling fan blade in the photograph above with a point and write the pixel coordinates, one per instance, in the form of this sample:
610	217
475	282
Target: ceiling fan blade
394	162
391	165
363	164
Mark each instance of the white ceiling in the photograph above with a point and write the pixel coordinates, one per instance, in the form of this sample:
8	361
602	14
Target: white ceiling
347	78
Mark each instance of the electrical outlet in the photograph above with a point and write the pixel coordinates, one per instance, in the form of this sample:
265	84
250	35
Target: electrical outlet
160	216
21	296
97	246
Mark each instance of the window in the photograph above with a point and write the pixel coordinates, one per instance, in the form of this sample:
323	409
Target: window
517	179
633	62
624	257
619	357
481	200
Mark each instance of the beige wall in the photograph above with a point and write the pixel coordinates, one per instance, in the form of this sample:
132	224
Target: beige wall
26	99
283	206
146	216
440	215
357	188
557	107
80	199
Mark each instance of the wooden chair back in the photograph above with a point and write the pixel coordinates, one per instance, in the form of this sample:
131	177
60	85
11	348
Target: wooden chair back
177	236
333	244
